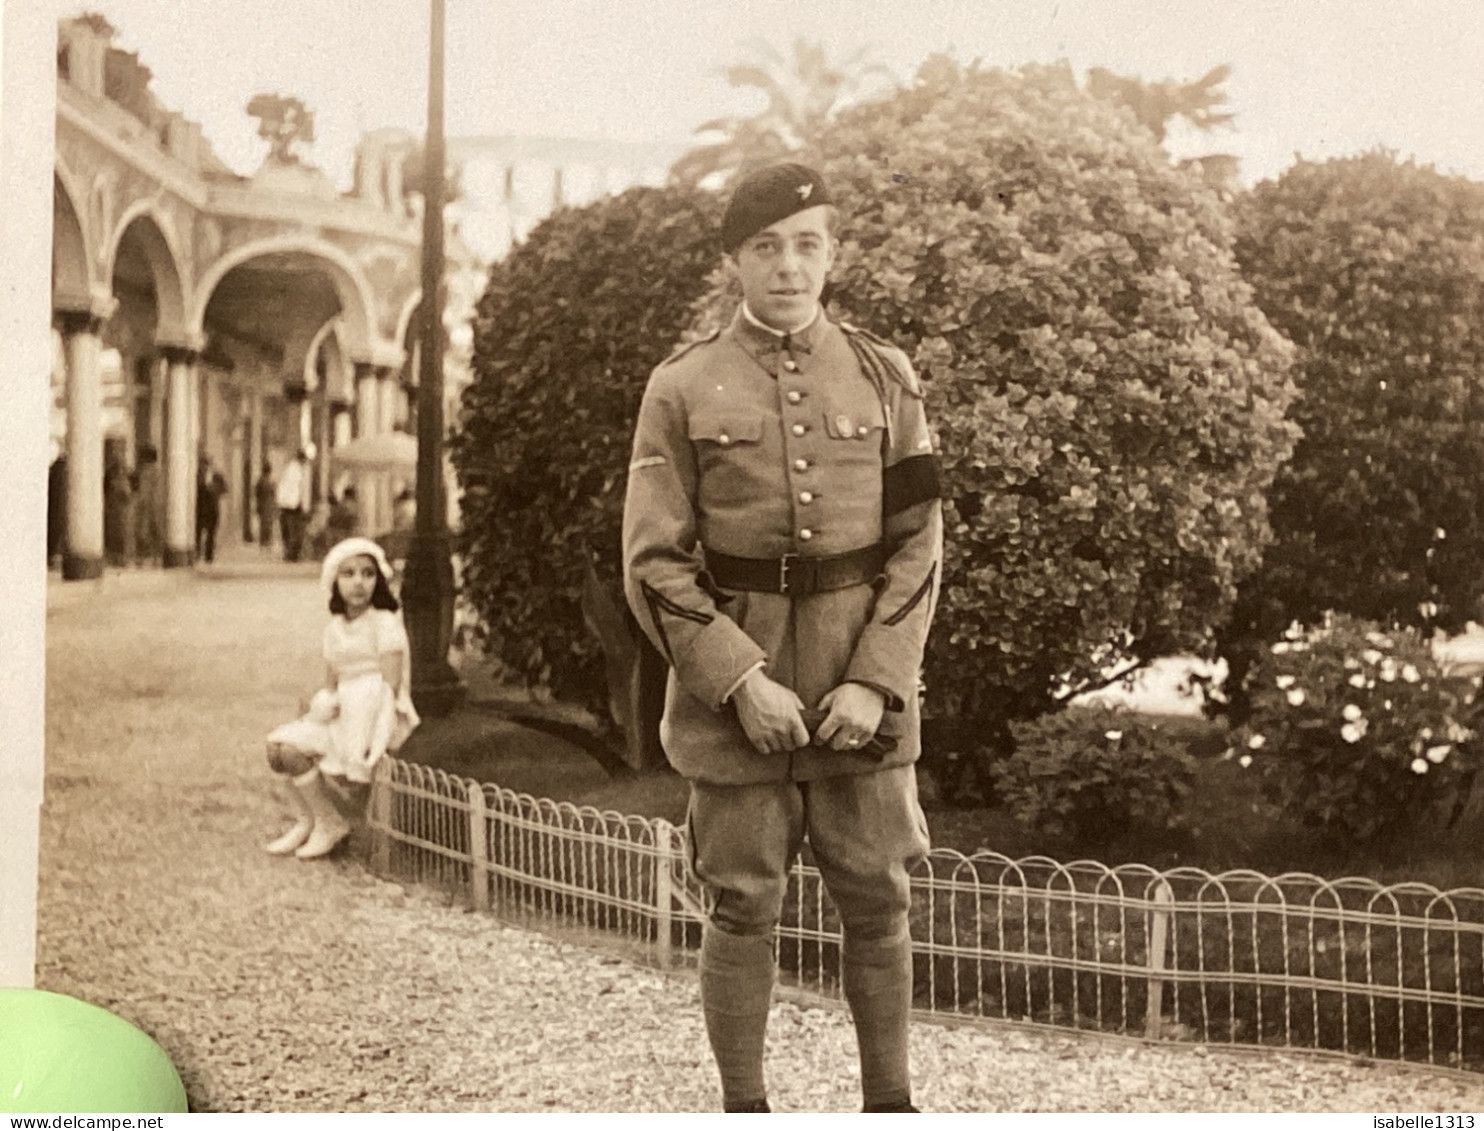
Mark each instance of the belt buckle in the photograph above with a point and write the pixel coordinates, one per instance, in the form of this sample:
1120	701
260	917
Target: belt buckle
784	563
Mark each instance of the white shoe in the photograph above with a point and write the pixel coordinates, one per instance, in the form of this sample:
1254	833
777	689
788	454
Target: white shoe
297	835
323	840
292	839
330	827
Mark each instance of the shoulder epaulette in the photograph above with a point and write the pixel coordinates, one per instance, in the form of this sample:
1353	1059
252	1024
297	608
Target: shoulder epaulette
878	357
685	347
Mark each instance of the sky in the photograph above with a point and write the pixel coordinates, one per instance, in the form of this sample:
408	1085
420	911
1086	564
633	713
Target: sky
1317	78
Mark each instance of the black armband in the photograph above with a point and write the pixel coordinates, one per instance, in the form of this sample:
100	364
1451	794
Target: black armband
913	480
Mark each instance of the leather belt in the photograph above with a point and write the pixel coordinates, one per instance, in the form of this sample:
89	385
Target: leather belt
796	576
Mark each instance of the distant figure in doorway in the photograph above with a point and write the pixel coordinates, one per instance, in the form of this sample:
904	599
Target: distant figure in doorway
56	509
148	540
210	487
118	512
293	505
265	497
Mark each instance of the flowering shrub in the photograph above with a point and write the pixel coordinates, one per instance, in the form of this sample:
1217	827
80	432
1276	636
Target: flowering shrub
1095	775
1355	731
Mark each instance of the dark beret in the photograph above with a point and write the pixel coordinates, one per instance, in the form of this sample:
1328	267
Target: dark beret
767	196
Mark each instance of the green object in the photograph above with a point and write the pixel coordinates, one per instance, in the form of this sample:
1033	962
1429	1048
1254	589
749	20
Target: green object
58	1054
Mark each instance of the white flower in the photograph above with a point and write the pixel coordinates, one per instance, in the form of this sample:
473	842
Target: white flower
1296	697
1386	706
1293	631
1425	732
1440	534
1352	732
1114	735
1356	680
1419	765
1428	609
1285	681
1459	733
1410	673
1371	656
1281	647
1256	741
1351	713
1435	754
1244	761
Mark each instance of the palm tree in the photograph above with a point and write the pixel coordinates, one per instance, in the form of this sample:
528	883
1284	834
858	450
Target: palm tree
802	95
1157	104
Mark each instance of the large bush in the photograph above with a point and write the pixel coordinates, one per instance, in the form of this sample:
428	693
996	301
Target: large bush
571	324
1109	399
1375	269
1357	732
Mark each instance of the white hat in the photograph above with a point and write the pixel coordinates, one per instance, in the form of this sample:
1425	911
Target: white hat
350	548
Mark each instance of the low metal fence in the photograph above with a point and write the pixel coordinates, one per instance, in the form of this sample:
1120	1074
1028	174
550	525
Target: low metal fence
1237	958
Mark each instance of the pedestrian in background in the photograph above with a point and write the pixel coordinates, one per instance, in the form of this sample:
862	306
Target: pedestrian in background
210	487
782	545
364	709
294	500
265	498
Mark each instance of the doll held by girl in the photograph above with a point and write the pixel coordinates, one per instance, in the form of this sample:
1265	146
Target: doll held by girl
363	711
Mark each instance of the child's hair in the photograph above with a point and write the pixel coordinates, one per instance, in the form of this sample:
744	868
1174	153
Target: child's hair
381	596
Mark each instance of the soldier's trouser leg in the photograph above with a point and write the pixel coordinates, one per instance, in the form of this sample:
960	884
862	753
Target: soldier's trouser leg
742	839
867	832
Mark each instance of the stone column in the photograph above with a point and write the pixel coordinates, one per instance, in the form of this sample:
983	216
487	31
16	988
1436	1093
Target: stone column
83	557
180	463
367	423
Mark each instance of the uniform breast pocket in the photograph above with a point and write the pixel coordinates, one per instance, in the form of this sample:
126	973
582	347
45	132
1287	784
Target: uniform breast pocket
729	454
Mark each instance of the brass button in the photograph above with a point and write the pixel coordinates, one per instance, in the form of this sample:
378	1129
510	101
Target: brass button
794	396
791	365
806	497
861	431
805	534
801	465
800	429
723	439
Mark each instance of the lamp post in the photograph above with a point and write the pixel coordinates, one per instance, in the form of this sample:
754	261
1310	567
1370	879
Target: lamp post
427	585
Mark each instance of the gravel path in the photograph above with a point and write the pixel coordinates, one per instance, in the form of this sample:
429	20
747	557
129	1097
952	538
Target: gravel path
282	986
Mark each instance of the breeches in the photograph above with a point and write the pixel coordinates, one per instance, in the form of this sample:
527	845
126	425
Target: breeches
866	832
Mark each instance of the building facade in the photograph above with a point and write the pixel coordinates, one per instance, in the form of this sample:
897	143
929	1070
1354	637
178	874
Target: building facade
200	313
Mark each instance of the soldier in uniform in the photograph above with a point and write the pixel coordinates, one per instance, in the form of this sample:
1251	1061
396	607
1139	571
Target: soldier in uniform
782	547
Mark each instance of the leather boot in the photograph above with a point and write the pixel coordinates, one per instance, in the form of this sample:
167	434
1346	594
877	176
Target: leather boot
330	828
302	827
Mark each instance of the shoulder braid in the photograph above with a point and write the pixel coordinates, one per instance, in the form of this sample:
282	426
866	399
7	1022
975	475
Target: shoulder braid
879	359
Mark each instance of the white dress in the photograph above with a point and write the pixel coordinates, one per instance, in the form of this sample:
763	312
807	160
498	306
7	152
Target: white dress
347	739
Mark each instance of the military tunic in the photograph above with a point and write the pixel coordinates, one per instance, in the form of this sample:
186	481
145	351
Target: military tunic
761	445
